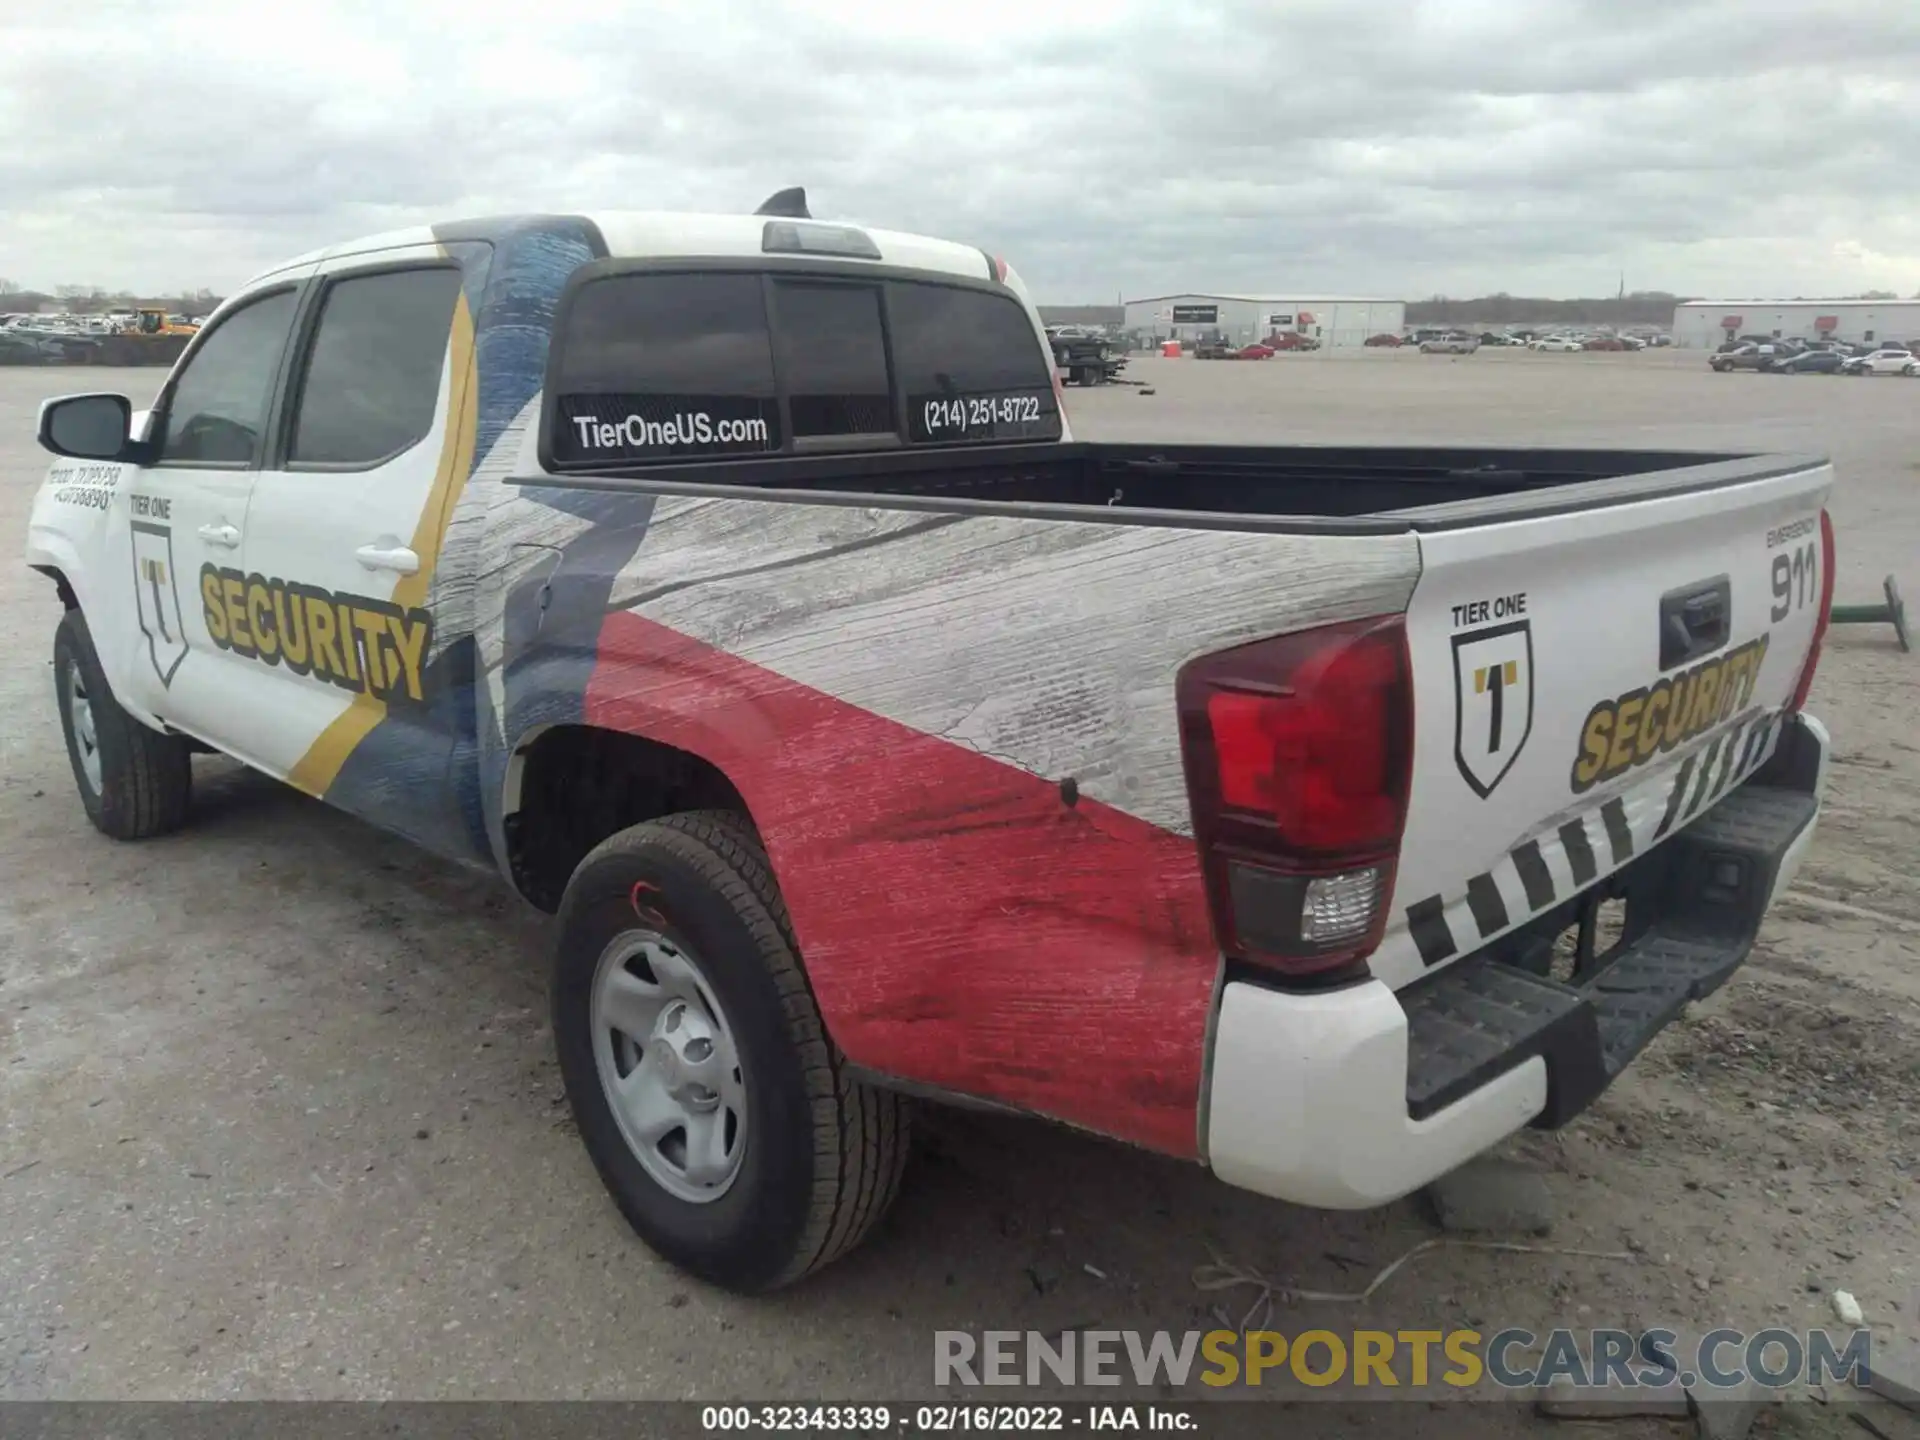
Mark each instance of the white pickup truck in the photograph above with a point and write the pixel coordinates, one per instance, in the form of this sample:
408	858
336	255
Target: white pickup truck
734	587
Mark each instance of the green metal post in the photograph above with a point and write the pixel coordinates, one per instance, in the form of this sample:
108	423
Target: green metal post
1893	612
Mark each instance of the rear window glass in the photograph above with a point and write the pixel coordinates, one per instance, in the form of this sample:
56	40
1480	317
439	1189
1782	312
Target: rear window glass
971	367
833	359
671	366
666	367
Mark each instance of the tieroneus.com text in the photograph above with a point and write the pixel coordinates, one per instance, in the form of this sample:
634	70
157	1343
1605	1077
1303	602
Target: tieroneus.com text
690	428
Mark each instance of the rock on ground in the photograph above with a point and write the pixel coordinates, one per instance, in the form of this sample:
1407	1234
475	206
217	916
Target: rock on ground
1490	1196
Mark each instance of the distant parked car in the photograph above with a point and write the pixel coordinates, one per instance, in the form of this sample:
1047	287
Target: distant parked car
68	347
1557	344
23	347
1605	342
1449	345
1290	340
1885	361
1383	341
1807	362
1747	357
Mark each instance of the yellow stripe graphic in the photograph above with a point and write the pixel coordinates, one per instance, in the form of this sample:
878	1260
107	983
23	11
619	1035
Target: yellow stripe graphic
316	770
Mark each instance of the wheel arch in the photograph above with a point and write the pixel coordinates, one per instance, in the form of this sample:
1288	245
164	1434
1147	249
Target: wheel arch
570	786
61	584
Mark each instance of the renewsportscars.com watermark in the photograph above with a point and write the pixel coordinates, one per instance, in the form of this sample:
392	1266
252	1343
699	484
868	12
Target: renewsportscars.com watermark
1513	1359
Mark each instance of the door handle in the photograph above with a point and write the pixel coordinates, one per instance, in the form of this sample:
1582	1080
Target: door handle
225	536
388	557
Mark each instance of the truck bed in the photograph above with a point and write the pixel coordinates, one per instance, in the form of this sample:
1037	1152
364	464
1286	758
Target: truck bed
1339	488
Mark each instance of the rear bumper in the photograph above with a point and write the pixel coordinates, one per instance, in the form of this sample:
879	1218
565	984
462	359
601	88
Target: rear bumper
1351	1098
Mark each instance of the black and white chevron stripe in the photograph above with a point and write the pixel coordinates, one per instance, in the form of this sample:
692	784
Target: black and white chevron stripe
1550	868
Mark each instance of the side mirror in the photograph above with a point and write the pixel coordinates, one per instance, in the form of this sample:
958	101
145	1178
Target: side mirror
89	427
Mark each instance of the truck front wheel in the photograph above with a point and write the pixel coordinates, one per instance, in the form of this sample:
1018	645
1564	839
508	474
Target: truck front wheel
134	781
714	1106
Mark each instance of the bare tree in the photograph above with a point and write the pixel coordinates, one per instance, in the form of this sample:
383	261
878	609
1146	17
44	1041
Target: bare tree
81	299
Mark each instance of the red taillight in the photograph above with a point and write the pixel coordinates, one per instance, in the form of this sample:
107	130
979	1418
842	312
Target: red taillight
1317	759
1820	621
1298	753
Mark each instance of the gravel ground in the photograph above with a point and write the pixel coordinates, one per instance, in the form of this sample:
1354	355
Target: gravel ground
280	1117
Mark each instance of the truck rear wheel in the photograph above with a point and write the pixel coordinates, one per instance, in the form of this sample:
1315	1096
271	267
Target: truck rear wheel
134	781
715	1108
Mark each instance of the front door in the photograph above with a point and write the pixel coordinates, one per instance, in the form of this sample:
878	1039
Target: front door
343	533
186	514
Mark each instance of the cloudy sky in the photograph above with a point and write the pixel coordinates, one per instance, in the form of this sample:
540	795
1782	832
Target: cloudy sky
1391	147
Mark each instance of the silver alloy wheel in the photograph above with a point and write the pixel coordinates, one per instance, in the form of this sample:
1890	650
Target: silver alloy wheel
669	1065
80	716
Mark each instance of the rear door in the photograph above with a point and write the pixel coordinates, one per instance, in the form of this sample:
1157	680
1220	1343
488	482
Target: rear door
343	532
1584	684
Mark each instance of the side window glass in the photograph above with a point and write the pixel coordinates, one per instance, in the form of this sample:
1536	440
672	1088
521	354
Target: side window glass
372	379
833	359
218	408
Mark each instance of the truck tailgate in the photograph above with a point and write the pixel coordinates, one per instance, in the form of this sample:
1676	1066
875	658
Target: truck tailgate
1584	683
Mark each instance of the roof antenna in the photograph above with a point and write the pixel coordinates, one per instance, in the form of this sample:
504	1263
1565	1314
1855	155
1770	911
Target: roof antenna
789	204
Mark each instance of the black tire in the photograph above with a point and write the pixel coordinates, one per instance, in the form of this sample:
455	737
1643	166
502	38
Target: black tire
824	1153
146	777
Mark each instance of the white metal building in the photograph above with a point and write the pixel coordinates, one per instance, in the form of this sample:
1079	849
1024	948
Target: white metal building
1247	318
1705	324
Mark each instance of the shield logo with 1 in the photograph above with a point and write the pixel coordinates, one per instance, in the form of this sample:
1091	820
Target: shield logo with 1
153	589
1492	701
